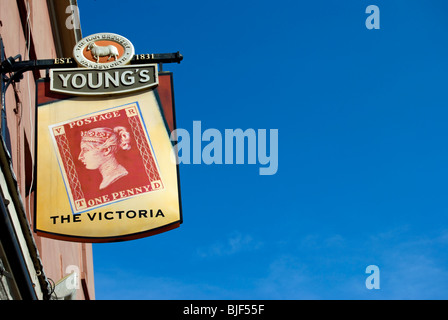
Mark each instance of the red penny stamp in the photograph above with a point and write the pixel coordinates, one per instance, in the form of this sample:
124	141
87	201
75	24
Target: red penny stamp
106	157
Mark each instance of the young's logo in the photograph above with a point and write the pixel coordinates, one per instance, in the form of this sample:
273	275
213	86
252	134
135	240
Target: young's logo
103	51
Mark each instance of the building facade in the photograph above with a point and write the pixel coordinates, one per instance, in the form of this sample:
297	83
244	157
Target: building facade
33	267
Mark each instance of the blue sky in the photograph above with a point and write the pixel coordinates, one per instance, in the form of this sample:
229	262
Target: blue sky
363	157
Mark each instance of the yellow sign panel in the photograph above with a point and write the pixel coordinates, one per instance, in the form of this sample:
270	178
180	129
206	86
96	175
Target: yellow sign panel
105	169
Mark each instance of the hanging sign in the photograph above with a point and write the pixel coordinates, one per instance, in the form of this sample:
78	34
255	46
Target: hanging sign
105	164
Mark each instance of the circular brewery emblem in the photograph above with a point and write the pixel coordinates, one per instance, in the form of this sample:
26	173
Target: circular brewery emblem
103	51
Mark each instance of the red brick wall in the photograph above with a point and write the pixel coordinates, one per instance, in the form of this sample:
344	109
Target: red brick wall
56	256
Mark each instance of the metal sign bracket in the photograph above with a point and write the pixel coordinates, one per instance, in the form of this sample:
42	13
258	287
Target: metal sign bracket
15	68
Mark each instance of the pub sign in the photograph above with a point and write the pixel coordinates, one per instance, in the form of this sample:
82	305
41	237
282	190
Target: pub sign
105	169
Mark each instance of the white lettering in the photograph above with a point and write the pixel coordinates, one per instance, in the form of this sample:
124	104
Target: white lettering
108	78
64	79
75	83
74	281
99	80
72	22
102	80
272	160
373	281
373	21
239	135
214	147
236	141
182	147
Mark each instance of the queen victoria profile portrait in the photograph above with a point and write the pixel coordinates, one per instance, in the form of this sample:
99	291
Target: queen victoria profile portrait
98	152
